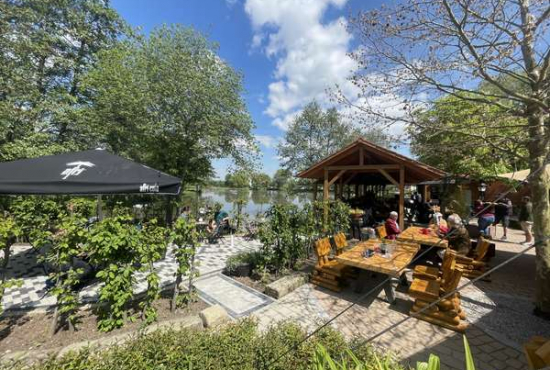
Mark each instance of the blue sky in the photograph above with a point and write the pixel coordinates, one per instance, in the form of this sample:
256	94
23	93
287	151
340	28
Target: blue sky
289	51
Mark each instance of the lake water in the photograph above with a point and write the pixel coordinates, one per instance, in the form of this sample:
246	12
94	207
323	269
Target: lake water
255	201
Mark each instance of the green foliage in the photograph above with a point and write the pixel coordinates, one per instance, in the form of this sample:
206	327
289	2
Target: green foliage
238	179
152	246
68	243
260	180
114	243
281	178
465	137
238	346
280	237
169	92
315	134
186	240
37	217
252	258
9	232
339	217
47	48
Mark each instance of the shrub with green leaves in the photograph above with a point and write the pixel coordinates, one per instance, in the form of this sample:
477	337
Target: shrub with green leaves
113	243
152	246
186	240
238	346
68	243
9	232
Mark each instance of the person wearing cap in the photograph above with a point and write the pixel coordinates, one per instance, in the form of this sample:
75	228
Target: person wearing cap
392	227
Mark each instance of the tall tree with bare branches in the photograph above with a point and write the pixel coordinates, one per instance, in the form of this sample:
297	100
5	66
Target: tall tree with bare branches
421	50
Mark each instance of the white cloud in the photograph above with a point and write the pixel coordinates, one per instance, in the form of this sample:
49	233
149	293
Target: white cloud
267	141
311	55
231	3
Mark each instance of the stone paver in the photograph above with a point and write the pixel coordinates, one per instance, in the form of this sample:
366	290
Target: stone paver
499	313
33	294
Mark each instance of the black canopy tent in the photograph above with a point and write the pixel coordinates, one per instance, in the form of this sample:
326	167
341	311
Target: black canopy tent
90	172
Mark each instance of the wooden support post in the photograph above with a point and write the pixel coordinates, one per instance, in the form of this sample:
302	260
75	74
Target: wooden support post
402	197
325	200
315	185
361	157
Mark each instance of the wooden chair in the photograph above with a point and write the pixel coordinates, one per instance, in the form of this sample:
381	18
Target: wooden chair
474	266
381	230
447	313
340	243
434	273
327	273
537	351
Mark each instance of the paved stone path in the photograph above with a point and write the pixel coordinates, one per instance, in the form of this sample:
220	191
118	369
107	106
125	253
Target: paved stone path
500	313
33	294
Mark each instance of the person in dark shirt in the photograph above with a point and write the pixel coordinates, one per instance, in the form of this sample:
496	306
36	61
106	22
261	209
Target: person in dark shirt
457	235
503	211
526	220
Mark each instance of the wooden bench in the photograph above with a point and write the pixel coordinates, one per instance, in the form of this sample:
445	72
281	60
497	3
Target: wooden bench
537	351
448	312
475	266
328	273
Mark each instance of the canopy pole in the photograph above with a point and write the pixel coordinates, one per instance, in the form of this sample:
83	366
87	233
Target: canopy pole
99	208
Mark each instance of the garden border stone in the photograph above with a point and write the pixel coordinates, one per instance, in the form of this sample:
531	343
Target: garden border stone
285	285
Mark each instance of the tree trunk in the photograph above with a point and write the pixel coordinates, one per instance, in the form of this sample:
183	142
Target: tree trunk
173	303
539	183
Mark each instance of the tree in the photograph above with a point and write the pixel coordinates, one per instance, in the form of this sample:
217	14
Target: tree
281	178
238	179
451	119
418	51
171	102
260	180
315	134
47	47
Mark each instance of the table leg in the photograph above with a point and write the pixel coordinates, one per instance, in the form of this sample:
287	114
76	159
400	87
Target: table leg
388	289
403	280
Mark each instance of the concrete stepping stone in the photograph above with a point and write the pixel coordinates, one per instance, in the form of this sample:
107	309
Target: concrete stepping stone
237	299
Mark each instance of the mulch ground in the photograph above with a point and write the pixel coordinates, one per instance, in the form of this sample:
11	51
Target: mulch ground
28	331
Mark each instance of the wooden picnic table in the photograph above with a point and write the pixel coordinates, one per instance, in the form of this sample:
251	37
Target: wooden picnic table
414	234
392	265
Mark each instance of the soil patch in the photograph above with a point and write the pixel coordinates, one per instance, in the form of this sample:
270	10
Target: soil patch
259	282
30	331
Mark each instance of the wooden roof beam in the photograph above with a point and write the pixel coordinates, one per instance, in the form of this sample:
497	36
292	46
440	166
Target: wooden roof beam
387	176
365	167
338	175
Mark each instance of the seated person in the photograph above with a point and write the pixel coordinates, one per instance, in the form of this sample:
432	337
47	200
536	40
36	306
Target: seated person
211	227
392	228
438	223
457	235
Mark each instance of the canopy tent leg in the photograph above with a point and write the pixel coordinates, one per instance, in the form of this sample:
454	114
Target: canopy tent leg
99	209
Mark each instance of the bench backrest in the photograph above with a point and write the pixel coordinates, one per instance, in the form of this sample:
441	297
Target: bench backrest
382	231
322	249
340	242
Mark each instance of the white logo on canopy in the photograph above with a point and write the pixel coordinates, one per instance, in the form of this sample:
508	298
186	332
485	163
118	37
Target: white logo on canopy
76	168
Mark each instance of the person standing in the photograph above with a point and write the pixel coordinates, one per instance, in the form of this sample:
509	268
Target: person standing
486	216
526	220
503	211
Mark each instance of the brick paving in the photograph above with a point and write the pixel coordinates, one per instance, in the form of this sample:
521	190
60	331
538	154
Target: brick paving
499	312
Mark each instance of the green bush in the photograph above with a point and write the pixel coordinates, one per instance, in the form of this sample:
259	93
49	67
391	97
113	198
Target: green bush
253	258
238	346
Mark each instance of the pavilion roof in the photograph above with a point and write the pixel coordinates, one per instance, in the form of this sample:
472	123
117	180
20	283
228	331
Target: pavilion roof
375	158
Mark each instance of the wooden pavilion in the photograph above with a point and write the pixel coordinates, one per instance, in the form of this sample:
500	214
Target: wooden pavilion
364	165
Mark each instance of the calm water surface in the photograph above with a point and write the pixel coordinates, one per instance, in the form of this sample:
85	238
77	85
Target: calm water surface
255	201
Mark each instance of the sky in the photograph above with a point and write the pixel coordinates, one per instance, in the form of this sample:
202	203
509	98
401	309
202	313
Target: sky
289	52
